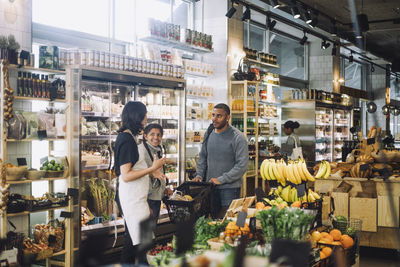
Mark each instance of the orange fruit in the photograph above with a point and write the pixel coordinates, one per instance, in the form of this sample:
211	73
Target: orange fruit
337	243
347	241
296	204
325	241
260	206
322	255
327	237
336	234
323	234
316	236
327	251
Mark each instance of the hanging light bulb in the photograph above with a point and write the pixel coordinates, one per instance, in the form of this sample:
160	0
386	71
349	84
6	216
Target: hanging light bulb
371	107
385	110
396	111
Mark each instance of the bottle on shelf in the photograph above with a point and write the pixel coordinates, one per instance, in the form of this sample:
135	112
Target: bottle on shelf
38	86
26	85
20	84
47	86
43	86
34	85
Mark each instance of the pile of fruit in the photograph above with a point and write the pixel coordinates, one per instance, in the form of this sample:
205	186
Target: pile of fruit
160	248
333	238
295	172
324	170
52	166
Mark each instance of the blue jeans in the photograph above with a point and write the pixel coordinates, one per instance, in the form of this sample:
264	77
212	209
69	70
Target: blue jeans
221	200
155	206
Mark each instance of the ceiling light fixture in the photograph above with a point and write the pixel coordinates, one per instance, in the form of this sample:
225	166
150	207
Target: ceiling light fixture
325	44
231	11
334	28
304	39
372	68
295	10
270	23
246	14
274	3
351	59
314	21
307	16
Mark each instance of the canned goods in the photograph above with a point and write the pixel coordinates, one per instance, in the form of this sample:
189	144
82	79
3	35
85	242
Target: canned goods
91	58
121	62
140	65
126	63
112	61
107	60
83	58
164	69
135	64
97	58
102	59
130	64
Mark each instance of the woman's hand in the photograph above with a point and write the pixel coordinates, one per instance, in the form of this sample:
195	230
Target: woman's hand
158	163
158	174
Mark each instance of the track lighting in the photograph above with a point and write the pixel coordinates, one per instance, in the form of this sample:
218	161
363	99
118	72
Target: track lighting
385	110
246	14
230	12
372	68
351	59
295	10
304	39
270	23
314	21
334	28
371	107
274	3
325	44
307	16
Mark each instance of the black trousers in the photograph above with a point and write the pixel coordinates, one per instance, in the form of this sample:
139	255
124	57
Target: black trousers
131	252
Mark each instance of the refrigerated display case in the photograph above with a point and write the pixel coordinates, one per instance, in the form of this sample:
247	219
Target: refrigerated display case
100	96
323	127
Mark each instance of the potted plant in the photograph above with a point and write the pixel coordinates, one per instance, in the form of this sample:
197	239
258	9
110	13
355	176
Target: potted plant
13	47
3	46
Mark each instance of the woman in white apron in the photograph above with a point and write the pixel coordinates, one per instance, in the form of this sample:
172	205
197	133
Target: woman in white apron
133	178
293	141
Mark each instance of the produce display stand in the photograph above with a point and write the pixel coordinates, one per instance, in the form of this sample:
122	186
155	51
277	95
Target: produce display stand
380	227
24	186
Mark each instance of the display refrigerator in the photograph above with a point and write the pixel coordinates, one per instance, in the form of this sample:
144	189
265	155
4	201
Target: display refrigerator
99	98
324	127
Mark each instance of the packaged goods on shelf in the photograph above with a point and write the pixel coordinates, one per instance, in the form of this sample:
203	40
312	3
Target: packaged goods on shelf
108	60
200	90
198	68
238	105
270	78
49	57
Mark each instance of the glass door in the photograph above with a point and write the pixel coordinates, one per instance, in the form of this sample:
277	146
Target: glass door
323	134
341	126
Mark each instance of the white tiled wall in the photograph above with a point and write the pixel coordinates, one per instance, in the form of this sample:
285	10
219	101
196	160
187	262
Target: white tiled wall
321	72
16	18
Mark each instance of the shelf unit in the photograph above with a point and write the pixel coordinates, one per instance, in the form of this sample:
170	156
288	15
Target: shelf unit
159	94
9	73
176	44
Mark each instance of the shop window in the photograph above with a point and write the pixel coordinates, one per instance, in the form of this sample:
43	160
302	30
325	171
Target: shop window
90	16
352	74
180	13
291	56
257	37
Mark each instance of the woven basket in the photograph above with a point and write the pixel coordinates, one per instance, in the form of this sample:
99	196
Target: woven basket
16	173
35	174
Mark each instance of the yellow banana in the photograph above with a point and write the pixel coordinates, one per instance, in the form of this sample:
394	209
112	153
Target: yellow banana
296	173
270	171
328	170
306	172
290	175
300	171
316	195
321	171
262	169
265	170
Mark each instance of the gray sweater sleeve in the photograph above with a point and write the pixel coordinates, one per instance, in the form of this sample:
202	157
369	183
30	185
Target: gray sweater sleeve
202	164
241	161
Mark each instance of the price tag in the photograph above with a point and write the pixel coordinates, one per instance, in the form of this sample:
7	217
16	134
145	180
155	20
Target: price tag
241	219
364	167
66	214
21	161
370	141
301	190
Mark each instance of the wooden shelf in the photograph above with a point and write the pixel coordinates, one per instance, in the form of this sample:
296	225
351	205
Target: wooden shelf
29	68
261	63
30	140
27	181
26	98
99	137
23	213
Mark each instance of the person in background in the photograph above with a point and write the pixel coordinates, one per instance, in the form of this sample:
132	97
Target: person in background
151	149
292	139
133	178
223	160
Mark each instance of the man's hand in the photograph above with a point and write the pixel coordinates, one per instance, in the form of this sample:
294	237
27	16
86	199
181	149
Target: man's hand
197	179
158	174
215	181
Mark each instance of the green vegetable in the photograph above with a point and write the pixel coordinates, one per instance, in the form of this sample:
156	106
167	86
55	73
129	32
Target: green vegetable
53	162
340	218
204	230
351	231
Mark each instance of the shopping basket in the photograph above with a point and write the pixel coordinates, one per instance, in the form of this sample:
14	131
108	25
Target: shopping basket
180	211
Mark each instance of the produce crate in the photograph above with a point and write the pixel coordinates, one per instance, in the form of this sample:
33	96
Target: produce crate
350	254
317	205
180	211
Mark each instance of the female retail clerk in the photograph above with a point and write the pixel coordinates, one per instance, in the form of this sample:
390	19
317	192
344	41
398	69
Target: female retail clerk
133	181
292	139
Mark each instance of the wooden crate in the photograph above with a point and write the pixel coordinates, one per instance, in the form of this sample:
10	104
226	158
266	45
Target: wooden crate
341	201
385	216
365	209
326	208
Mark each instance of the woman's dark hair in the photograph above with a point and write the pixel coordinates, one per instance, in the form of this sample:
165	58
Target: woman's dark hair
224	107
291	124
132	116
152	126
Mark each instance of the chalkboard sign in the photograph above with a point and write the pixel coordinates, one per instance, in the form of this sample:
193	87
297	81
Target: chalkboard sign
241	219
301	190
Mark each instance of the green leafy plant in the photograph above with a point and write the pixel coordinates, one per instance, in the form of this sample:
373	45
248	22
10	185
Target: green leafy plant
3	42
12	43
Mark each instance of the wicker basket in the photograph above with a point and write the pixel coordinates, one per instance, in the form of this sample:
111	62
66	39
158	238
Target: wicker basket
16	173
35	174
54	174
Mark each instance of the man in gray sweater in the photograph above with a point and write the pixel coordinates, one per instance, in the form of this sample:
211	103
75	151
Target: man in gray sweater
223	160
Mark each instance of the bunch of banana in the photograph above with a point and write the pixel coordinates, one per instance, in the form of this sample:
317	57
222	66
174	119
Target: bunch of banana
294	172
324	170
288	193
312	196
